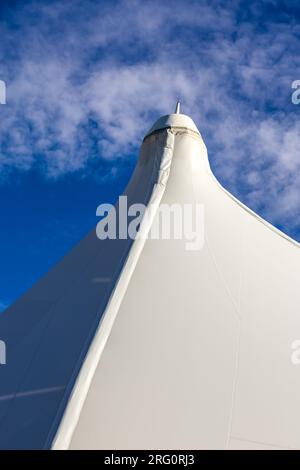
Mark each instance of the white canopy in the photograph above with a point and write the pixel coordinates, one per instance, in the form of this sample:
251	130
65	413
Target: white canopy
194	348
150	345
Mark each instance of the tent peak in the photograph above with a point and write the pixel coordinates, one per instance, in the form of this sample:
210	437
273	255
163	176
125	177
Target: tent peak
174	120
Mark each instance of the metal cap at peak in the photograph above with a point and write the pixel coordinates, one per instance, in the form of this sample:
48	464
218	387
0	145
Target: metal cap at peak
174	120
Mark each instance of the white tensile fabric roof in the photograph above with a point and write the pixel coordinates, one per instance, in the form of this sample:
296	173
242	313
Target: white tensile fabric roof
194	348
146	344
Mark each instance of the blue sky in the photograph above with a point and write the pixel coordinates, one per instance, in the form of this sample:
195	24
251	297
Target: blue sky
85	81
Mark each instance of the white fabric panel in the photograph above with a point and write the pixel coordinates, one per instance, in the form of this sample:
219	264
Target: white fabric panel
268	385
165	377
199	354
160	148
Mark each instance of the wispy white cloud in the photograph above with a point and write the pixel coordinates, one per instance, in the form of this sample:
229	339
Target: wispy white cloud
122	65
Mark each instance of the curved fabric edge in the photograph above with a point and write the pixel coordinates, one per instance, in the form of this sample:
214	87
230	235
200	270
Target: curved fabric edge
72	413
260	219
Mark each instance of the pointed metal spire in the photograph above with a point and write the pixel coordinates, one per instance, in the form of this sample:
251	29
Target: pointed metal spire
177	110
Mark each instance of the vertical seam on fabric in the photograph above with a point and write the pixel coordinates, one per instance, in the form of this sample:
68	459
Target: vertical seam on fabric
113	306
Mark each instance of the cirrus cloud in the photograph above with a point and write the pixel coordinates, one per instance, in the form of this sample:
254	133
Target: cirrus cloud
87	79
